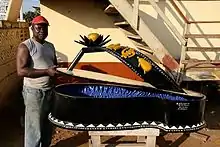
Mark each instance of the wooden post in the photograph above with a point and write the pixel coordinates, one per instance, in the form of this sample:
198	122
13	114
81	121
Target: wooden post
13	10
181	71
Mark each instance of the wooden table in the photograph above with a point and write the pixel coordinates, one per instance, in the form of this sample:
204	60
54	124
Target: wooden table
145	137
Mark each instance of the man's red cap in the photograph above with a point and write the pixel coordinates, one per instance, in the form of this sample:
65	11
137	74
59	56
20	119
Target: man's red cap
40	19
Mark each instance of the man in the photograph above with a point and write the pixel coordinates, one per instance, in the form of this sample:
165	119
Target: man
36	62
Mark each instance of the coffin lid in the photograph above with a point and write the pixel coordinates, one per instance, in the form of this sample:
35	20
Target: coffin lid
139	63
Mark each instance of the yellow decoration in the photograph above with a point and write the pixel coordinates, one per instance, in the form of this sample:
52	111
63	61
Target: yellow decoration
127	53
146	66
114	46
93	36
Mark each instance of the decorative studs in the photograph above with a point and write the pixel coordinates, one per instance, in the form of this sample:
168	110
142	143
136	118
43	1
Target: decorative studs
70	124
193	126
187	127
61	122
153	123
110	126
144	123
55	120
119	125
80	126
91	126
127	125
173	128
100	126
161	125
136	124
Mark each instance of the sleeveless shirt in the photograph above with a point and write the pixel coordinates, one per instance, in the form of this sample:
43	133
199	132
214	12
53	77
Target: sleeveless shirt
41	57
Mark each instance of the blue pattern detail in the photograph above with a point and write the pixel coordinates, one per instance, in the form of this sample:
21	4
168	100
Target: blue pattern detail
105	91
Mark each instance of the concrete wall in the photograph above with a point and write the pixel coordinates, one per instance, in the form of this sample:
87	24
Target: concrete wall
11	34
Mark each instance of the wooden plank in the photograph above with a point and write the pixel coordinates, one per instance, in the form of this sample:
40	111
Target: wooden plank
203	48
110	10
136	37
125	145
122	23
201	61
130	34
13	10
146	49
101	77
202	36
141	139
204	22
95	141
135	132
151	141
147	136
205	67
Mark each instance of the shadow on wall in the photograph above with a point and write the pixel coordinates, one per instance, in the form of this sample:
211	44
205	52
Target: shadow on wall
90	13
161	31
80	11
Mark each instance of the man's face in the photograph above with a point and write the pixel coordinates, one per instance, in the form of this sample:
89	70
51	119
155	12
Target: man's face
40	31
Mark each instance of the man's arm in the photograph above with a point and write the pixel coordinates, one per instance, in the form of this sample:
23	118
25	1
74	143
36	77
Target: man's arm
55	60
55	56
23	59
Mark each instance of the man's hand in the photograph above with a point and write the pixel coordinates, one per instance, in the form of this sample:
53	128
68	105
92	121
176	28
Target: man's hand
52	71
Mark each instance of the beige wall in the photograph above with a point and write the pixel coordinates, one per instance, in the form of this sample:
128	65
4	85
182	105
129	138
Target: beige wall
194	10
69	19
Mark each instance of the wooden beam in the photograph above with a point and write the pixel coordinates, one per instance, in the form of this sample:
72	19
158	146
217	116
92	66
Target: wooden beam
13	10
201	61
110	10
202	35
204	21
214	49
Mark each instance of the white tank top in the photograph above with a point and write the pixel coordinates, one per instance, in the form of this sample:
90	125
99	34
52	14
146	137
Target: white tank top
42	57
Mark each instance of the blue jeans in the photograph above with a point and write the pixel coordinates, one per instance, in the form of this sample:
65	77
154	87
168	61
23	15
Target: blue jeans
38	129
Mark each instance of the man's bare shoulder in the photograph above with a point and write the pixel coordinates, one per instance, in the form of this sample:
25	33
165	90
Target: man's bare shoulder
22	45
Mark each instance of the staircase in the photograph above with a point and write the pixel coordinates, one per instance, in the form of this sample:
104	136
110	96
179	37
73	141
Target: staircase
126	14
127	18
